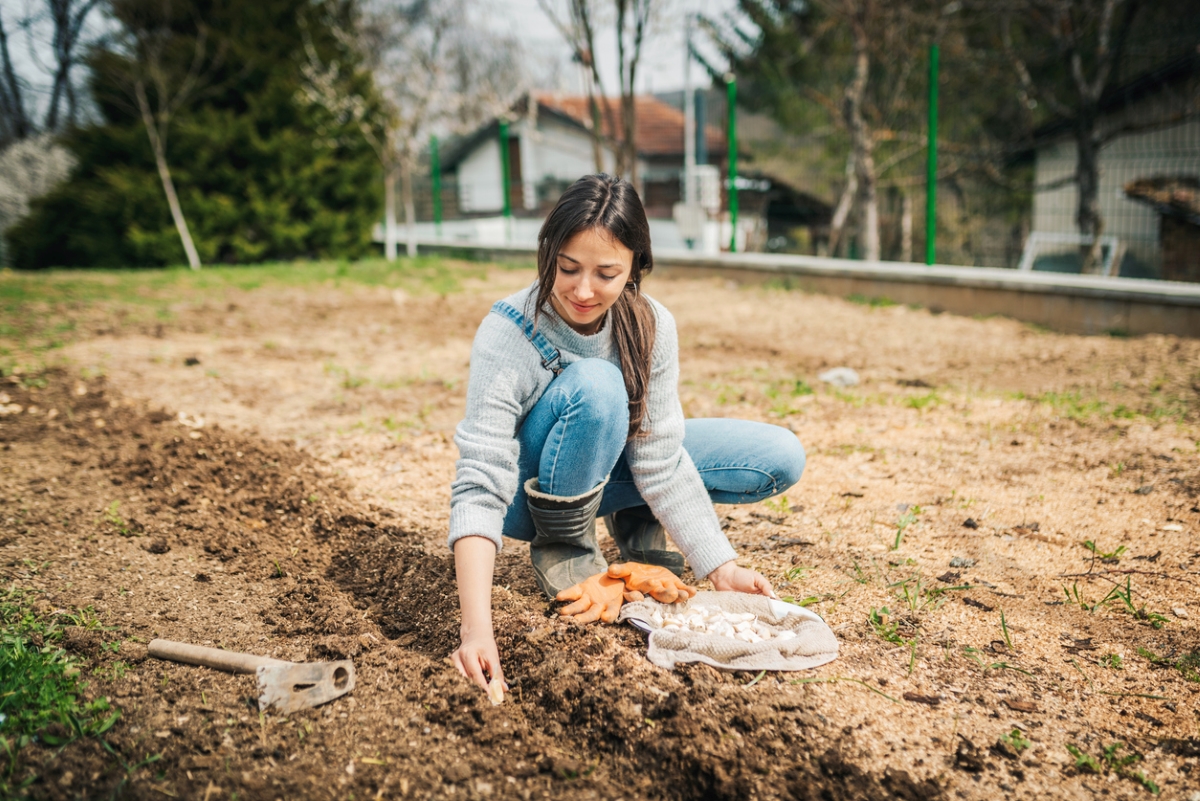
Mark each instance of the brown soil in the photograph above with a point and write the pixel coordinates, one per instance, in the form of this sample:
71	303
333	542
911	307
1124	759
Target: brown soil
298	509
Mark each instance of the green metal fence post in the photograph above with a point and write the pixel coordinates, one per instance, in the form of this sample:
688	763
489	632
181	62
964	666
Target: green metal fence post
504	167
731	101
931	178
435	173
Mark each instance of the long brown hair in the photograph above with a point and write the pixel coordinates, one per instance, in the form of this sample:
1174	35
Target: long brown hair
612	204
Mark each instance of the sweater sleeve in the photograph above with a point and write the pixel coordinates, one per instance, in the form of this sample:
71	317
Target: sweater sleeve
663	472
486	477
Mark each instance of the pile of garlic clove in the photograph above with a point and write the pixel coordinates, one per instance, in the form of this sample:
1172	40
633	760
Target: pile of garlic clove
743	626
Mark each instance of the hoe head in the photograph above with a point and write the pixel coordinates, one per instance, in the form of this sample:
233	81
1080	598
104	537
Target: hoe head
289	687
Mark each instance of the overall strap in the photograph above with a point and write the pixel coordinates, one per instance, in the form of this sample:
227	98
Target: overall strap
550	356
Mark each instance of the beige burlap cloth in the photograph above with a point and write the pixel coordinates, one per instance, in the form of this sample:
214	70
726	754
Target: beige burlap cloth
813	645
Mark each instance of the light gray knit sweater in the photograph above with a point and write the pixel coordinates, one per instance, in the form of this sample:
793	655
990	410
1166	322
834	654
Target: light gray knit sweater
507	380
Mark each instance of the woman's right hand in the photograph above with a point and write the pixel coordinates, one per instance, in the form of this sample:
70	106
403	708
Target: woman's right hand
479	660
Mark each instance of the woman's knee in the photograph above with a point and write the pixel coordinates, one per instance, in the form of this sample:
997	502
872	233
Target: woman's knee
789	460
598	388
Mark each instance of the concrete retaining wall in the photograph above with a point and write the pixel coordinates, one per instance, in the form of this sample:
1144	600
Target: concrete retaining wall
1071	303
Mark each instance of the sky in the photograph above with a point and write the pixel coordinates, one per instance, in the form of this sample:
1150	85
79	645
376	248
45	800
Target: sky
662	62
661	68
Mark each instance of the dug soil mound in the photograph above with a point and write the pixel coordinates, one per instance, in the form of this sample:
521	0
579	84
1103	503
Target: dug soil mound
159	528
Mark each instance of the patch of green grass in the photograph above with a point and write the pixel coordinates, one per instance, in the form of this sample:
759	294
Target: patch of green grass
921	401
1113	661
914	594
859	575
873	302
43	310
113	517
1122	594
1074	405
906	520
1105	556
1004	631
41	693
882	624
975	655
1111	760
1015	740
1188	665
780	505
1125	596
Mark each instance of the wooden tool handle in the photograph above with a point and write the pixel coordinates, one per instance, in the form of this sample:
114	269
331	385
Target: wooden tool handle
230	661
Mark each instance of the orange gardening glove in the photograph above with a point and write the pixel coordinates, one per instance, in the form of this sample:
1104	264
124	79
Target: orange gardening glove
659	583
596	598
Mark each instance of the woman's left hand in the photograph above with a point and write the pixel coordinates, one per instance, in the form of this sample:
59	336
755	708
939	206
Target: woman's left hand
730	577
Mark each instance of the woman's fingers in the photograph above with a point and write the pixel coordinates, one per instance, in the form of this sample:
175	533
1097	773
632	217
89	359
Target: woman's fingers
591	615
574	609
763	587
570	593
664	593
494	670
456	660
619	571
612	609
470	665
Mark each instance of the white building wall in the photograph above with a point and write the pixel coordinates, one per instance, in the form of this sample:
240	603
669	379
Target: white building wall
1168	151
565	153
528	140
479	178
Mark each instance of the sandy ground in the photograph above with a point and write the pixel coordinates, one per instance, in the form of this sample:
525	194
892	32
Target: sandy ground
956	486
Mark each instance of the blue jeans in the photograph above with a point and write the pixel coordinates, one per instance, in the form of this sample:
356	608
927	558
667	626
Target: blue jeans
575	436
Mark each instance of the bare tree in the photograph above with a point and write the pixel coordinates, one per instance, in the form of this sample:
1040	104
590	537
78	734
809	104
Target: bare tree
432	69
632	22
14	121
576	27
160	77
67	21
633	19
68	17
1089	38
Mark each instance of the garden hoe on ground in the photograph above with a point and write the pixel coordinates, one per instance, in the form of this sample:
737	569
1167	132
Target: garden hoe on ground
286	686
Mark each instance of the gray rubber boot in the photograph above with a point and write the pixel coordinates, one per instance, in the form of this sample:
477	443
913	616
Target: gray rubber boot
564	550
641	538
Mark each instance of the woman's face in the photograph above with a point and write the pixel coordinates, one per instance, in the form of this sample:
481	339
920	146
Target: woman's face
593	268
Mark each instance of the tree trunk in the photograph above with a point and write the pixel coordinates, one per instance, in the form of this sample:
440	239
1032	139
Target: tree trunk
860	135
1087	178
842	212
597	128
389	212
410	209
164	174
10	92
870	202
629	136
906	227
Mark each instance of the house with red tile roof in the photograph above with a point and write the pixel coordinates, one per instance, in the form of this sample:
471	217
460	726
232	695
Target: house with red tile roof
550	146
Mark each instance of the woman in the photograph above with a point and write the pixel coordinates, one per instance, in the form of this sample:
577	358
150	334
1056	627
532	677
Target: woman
573	412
